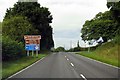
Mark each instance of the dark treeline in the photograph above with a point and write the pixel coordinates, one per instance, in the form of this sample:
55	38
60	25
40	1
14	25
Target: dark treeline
25	18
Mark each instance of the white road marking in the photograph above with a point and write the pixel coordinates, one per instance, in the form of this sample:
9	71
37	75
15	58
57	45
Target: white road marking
67	59
25	68
71	64
83	76
65	56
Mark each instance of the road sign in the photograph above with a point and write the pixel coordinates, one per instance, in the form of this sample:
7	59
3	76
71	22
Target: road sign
32	47
32	42
32	39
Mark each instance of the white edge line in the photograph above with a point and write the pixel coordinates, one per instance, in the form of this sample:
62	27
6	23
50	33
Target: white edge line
25	68
71	64
83	76
100	62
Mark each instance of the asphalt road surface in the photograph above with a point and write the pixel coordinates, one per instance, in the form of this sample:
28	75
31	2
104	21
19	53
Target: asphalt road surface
68	65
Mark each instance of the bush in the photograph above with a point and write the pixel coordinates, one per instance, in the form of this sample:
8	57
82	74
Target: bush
116	40
59	49
76	49
11	49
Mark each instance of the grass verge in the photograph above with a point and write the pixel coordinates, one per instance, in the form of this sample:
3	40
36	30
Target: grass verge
11	67
95	56
107	52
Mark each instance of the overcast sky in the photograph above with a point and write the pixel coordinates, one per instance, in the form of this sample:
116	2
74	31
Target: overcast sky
68	17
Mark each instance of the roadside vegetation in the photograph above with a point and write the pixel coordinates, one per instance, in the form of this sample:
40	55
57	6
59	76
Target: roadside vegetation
59	49
106	26
24	18
107	53
0	27
0	50
11	67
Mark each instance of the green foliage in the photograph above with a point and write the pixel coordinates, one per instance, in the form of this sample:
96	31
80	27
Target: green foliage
59	49
11	49
76	49
16	27
0	26
78	44
115	11
107	52
0	32
116	40
39	17
102	25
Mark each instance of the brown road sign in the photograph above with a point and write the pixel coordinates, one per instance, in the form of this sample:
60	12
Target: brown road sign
32	39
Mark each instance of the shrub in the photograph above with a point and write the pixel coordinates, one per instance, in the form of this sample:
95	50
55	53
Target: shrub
11	49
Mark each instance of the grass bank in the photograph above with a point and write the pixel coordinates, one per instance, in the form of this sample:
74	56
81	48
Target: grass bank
11	67
107	53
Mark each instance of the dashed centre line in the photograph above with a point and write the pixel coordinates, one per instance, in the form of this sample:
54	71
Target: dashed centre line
83	76
72	64
67	59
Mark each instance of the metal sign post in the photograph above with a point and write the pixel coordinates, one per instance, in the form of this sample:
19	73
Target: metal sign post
37	48
32	52
36	53
27	52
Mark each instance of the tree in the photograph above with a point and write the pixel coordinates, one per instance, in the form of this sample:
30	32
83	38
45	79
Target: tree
59	49
78	44
38	16
16	27
0	27
115	11
102	25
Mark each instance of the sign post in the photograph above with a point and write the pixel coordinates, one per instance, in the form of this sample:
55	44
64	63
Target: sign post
32	43
37	48
32	52
27	52
36	53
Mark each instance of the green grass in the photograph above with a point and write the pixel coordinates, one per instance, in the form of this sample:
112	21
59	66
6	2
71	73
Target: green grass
107	53
11	67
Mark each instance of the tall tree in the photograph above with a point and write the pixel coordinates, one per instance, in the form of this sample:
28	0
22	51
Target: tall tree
102	25
115	11
40	18
78	44
0	27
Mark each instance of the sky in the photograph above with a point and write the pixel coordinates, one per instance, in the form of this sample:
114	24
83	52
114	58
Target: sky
68	18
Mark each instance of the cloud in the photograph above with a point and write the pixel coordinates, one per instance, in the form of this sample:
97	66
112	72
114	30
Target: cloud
70	33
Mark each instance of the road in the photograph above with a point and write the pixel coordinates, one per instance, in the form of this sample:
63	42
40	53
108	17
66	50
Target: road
68	65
